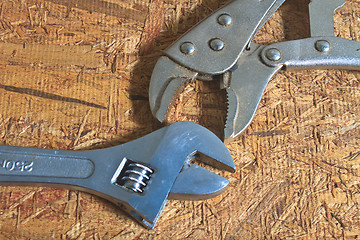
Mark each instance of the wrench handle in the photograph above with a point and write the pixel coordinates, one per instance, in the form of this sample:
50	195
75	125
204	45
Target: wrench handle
32	165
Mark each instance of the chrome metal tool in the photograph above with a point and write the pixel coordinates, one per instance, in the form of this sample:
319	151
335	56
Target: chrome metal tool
221	47
138	176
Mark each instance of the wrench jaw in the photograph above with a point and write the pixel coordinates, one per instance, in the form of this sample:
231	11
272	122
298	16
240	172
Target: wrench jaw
196	183
197	141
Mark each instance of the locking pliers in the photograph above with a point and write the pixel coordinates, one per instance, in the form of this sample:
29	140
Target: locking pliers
138	176
221	48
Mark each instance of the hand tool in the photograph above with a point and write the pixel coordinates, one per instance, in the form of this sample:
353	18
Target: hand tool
138	176
221	48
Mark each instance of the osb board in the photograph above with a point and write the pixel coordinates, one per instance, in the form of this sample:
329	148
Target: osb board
75	75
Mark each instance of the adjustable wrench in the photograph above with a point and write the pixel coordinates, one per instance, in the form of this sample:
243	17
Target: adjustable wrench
138	176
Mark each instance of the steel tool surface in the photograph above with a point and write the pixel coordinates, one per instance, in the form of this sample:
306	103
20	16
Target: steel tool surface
221	48
138	176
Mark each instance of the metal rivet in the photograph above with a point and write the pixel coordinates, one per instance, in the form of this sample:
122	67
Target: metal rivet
225	20
322	46
187	48
216	44
273	54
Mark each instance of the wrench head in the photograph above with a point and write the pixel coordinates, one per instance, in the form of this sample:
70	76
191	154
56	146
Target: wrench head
168	152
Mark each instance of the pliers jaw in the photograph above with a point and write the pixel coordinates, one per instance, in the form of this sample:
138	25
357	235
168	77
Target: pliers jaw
167	81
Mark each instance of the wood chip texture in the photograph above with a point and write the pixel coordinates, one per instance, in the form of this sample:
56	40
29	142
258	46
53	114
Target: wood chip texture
75	75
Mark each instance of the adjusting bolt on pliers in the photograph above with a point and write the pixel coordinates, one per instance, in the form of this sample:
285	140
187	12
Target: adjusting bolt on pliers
138	176
221	47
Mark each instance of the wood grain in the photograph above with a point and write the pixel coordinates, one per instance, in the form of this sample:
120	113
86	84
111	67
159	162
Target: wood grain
76	76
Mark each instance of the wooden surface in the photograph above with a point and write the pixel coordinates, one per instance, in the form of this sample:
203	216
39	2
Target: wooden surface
75	76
